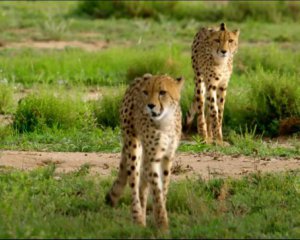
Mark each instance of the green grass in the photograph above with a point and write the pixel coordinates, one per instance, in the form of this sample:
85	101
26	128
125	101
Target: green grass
50	205
77	67
245	143
267	92
267	89
58	140
109	140
109	67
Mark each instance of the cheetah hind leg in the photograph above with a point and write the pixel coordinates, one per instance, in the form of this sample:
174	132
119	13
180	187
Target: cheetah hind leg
144	192
190	116
209	136
119	184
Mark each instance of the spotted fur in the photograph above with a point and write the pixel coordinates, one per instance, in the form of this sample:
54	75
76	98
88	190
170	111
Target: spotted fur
212	60
151	128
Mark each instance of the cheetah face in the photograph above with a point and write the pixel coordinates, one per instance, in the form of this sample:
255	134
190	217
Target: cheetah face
224	43
161	95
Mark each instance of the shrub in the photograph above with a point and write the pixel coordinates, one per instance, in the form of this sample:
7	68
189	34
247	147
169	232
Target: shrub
47	110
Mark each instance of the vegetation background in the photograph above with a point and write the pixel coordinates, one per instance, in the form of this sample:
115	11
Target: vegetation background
64	67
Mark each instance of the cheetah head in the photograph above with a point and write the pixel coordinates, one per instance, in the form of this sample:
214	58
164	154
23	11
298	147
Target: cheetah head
224	43
161	95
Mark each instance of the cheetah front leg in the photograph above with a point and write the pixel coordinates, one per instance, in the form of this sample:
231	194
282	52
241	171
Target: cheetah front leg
209	137
144	191
212	107
154	159
133	175
166	174
221	102
200	99
159	203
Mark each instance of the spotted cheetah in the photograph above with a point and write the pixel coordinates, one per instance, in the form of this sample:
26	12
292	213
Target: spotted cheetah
151	129
212	60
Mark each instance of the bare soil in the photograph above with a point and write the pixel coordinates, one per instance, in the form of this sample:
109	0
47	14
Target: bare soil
204	165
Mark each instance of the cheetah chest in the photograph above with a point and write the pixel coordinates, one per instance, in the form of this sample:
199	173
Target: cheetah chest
217	75
159	139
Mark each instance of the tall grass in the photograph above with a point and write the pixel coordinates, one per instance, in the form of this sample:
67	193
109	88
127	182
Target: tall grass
7	103
270	57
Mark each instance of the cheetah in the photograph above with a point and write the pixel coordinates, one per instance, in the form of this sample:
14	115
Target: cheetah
151	131
212	60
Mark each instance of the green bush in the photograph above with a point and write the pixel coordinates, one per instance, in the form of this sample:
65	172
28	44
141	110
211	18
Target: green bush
6	99
106	110
271	97
47	110
265	11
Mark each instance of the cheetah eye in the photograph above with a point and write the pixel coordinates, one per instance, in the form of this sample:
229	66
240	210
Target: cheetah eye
217	40
145	93
230	40
162	93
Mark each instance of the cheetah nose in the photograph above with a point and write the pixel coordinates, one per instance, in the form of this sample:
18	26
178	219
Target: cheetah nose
223	51
151	105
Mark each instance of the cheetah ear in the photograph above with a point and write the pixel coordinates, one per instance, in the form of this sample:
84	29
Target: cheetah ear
222	27
147	76
180	81
236	32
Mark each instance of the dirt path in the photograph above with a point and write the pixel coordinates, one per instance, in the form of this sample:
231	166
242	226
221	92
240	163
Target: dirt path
206	165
